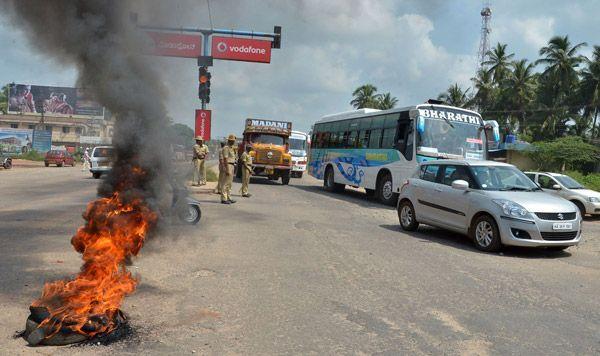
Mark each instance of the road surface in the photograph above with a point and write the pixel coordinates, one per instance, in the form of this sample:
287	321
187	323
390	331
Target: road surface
296	270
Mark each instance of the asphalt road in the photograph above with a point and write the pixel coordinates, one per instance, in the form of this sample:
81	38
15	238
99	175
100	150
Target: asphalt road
295	270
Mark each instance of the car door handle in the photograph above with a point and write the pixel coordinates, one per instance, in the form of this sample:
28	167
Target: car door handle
438	189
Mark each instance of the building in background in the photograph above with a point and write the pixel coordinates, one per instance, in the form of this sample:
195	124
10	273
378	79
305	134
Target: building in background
73	119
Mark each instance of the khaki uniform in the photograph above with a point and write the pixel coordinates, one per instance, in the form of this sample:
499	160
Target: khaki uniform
200	154
219	187
246	161
228	157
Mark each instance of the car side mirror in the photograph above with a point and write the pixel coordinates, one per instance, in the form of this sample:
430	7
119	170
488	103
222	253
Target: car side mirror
556	187
460	184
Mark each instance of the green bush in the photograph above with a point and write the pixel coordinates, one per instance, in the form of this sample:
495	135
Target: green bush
31	155
590	181
565	153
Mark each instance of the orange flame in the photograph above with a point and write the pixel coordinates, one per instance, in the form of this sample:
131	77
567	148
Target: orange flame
115	230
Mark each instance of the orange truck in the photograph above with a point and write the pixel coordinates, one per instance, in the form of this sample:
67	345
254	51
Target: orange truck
269	142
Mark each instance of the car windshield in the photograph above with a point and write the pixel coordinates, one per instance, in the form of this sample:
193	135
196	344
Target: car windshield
502	178
568	182
437	138
103	152
267	139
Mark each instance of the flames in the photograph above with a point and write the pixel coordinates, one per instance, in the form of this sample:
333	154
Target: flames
115	230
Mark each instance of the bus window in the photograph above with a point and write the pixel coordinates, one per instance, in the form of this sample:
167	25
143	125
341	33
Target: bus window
363	138
378	122
409	145
375	139
365	124
352	139
345	137
389	135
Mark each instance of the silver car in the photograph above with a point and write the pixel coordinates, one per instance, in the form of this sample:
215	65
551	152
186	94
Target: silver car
587	200
493	203
101	160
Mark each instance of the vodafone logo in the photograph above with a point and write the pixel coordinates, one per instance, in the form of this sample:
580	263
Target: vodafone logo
222	47
203	115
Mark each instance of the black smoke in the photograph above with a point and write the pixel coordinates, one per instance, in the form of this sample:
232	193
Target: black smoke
99	38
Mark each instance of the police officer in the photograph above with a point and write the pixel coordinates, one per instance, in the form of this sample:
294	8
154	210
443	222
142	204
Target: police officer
246	162
229	157
200	154
222	167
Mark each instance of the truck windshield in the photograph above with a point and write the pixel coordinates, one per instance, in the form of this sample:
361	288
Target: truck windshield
437	138
267	139
298	146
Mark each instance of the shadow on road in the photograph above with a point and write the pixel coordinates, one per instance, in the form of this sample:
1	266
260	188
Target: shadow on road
429	234
348	195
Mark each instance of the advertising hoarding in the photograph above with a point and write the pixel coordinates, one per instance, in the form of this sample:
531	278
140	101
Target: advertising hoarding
15	141
241	49
174	44
202	128
56	101
42	140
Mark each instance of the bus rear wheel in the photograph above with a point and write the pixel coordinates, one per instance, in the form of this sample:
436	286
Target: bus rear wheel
385	190
329	182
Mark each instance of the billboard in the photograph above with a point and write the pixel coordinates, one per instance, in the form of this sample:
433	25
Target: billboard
174	44
203	124
42	140
15	141
241	49
27	98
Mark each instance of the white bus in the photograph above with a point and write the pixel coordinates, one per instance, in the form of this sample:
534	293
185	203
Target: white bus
299	150
377	150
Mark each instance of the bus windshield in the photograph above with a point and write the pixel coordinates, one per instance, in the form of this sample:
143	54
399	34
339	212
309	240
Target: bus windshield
440	138
297	146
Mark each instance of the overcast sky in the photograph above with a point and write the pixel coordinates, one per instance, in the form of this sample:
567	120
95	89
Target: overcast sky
412	50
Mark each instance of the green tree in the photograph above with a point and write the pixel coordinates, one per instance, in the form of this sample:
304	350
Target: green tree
386	101
4	99
519	88
181	134
456	96
484	98
365	96
498	62
565	153
590	88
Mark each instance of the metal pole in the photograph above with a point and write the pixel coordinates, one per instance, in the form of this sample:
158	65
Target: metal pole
207	31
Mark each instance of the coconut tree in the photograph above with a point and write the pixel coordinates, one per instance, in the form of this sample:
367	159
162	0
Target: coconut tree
386	101
485	90
519	88
590	88
561	60
365	96
498	62
456	96
4	99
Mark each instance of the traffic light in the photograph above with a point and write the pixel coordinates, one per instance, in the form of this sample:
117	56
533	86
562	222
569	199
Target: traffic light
204	84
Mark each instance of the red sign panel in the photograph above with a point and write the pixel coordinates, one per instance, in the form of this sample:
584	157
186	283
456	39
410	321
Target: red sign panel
203	124
174	44
241	49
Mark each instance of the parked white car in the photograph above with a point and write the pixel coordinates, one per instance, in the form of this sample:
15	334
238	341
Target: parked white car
587	200
493	203
101	160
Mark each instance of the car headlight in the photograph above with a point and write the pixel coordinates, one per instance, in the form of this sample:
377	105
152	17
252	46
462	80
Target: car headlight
594	200
513	209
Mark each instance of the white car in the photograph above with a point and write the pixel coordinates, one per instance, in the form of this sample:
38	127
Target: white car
494	203
587	200
101	160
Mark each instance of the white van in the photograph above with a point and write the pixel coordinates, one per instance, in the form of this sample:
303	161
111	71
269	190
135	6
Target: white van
101	160
298	149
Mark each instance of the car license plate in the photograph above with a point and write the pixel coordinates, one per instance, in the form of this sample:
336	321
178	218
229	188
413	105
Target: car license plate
562	226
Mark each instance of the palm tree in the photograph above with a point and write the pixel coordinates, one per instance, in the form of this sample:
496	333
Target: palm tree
4	99
386	101
484	85
520	88
456	96
561	60
365	97
590	87
498	62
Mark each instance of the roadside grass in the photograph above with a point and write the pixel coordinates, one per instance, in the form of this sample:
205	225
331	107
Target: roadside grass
590	181
211	175
31	156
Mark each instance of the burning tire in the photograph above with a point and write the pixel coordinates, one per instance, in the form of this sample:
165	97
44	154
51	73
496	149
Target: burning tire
191	215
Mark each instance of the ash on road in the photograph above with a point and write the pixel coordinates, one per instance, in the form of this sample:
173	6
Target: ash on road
295	270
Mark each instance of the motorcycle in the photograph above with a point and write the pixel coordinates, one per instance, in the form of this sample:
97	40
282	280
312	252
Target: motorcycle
7	163
186	208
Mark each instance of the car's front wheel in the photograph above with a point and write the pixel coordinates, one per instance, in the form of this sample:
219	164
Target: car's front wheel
485	234
96	175
406	215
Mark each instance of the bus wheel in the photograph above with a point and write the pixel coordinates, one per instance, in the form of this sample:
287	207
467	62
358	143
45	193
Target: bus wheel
329	182
385	190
